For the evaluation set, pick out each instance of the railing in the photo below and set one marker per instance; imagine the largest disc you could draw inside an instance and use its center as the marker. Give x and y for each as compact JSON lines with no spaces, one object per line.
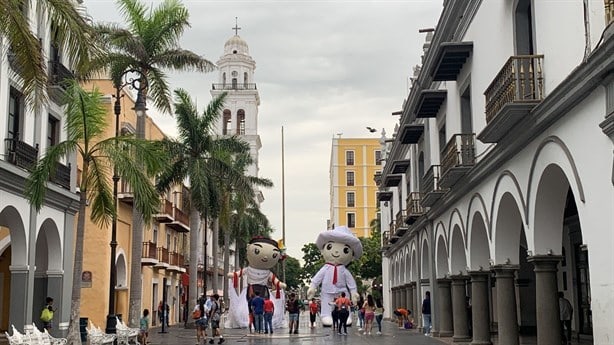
{"x":149,"y":250}
{"x":236,"y":86}
{"x":124,"y":187}
{"x":62,"y":175}
{"x":58,"y":73}
{"x":163,"y":255}
{"x":21,"y":154}
{"x":166,"y":206}
{"x":400,"y":220}
{"x":520,"y":80}
{"x":393,"y":227}
{"x":385,"y":237}
{"x":176,"y":259}
{"x":430,"y":182}
{"x":181,"y":217}
{"x":609,"y":11}
{"x":459,"y":151}
{"x":414,"y":208}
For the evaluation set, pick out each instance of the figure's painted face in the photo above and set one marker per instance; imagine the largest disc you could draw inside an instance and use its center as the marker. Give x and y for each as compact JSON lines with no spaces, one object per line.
{"x":262,"y":255}
{"x":337,"y":253}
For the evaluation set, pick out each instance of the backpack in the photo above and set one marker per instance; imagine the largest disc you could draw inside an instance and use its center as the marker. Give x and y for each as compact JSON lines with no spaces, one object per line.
{"x":46,"y":315}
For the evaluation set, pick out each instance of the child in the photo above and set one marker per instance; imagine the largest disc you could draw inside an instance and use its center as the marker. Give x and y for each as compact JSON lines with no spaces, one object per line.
{"x":144,"y":327}
{"x":47,"y":314}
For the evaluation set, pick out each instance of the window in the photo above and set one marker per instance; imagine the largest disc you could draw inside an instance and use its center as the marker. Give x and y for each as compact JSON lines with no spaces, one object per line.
{"x":168,"y":238}
{"x":155,"y":234}
{"x":234,"y":83}
{"x":349,"y":178}
{"x":14,"y":116}
{"x":227,"y":122}
{"x":224,"y":79}
{"x":245,"y":78}
{"x":241,"y":122}
{"x":351,"y":199}
{"x":442,"y":138}
{"x":349,"y":157}
{"x":378,"y":157}
{"x":52,"y":131}
{"x":351,"y":220}
{"x":466,"y":121}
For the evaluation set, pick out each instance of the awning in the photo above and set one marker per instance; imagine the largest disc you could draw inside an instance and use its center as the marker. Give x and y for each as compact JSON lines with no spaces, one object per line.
{"x":410,"y":134}
{"x":429,"y":102}
{"x":449,"y":61}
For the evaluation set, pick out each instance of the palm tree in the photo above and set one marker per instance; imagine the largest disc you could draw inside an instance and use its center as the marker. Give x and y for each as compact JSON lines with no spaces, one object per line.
{"x":135,"y":161}
{"x":149,"y":45}
{"x":235,"y":195}
{"x":198,"y":155}
{"x":70,"y":31}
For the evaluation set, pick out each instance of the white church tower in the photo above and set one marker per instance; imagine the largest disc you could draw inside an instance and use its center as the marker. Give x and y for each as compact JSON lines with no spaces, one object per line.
{"x":240,"y":115}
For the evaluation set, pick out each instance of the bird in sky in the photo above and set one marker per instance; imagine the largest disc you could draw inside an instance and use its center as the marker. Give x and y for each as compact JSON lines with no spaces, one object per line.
{"x":372,"y":130}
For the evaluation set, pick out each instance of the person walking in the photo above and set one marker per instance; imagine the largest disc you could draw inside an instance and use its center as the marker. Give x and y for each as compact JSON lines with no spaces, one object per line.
{"x":269,"y":310}
{"x":313,"y":311}
{"x":215,"y":315}
{"x":344,"y":305}
{"x":335,"y":315}
{"x":426,"y":313}
{"x":379,"y":314}
{"x":144,"y":327}
{"x":361,"y":313}
{"x":199,"y":314}
{"x":369,"y":308}
{"x":566,"y":312}
{"x":293,"y":309}
{"x":47,"y":314}
{"x":258,"y":310}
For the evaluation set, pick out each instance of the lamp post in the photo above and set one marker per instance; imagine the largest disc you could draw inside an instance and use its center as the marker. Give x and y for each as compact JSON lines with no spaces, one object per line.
{"x":139,"y":84}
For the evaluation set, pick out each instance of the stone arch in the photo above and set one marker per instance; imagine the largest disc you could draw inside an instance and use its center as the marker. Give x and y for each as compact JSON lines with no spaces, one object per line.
{"x":457,"y":220}
{"x":413,"y":262}
{"x":425,"y":258}
{"x":442,"y":257}
{"x":121,"y":269}
{"x":458,"y":255}
{"x":508,"y":225}
{"x":479,"y":245}
{"x":49,"y":247}
{"x":477,"y":204}
{"x":508,"y":183}
{"x":11,"y":219}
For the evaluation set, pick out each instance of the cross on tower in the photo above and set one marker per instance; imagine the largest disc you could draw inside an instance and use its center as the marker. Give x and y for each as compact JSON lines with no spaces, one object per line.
{"x":236,"y":28}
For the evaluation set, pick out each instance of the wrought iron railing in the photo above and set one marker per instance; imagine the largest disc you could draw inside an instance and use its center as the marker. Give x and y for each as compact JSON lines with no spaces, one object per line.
{"x":609,"y":11}
{"x":400,"y":220}
{"x":236,"y":86}
{"x":163,"y":255}
{"x":181,"y":217}
{"x":459,"y":151}
{"x":393,"y":227}
{"x":12,"y":59}
{"x":520,"y":80}
{"x":21,"y":154}
{"x":62,"y":175}
{"x":430,"y":182}
{"x":124,"y":187}
{"x":58,"y":73}
{"x":149,"y":250}
{"x":414,"y":208}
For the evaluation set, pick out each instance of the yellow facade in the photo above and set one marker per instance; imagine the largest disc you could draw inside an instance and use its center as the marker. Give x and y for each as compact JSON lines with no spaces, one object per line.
{"x":354,"y":160}
{"x":164,"y":240}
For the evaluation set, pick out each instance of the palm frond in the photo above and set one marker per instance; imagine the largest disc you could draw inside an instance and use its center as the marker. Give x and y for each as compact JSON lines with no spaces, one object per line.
{"x":159,"y":90}
{"x":166,"y":24}
{"x":183,"y":60}
{"x":85,"y":113}
{"x":213,"y":110}
{"x":99,"y":191}
{"x":187,"y":119}
{"x":134,"y":13}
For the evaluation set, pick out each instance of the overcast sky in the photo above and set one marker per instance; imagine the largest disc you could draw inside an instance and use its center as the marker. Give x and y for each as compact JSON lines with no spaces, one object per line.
{"x":322,"y":67}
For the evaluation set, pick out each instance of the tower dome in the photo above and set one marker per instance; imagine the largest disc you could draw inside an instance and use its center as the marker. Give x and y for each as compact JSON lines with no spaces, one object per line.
{"x":236,"y":45}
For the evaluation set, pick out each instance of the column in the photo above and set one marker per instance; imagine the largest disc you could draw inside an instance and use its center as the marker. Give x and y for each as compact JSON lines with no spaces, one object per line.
{"x":506,"y":304}
{"x":403,"y":298}
{"x":459,"y":308}
{"x":417,"y":312}
{"x":393,"y":293}
{"x":479,"y":308}
{"x":54,"y":290}
{"x":409,"y":296}
{"x":444,"y":308}
{"x":19,"y":295}
{"x":547,"y":302}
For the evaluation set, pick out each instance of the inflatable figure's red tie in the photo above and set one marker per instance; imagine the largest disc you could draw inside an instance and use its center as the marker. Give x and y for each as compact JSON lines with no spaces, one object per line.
{"x":334,"y":273}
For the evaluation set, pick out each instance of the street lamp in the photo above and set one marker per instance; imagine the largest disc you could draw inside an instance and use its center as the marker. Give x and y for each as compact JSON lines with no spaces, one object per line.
{"x":140,"y":108}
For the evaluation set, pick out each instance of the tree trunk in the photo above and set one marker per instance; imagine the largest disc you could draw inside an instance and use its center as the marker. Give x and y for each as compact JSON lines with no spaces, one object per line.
{"x":74,"y":333}
{"x":136,"y":282}
{"x":226,"y":264}
{"x":194,"y":229}
{"x":214,"y":249}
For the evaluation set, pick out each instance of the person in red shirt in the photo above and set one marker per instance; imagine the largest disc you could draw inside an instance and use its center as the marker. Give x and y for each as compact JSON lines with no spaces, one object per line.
{"x":344,"y":305}
{"x":269,"y":309}
{"x":313,"y":311}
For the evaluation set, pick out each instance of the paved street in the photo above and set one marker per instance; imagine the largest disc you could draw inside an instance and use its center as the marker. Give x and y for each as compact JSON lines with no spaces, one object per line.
{"x":391,"y":335}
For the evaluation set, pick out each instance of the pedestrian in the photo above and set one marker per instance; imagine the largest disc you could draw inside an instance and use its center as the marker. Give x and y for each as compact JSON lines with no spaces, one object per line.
{"x":344,"y":305}
{"x":199,"y":314}
{"x":469,"y":315}
{"x":313,"y":311}
{"x":379,"y":314}
{"x":47,"y":314}
{"x":426,"y":313}
{"x":144,"y":327}
{"x":335,"y":314}
{"x":293,"y":309}
{"x":402,"y":315}
{"x":215,"y":315}
{"x":369,"y":308}
{"x":361,"y":313}
{"x":269,"y":310}
{"x":566,"y":312}
{"x":258,"y":310}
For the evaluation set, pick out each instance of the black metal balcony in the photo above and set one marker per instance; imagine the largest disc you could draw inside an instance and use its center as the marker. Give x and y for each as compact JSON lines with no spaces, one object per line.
{"x":61,"y":175}
{"x":400,"y":226}
{"x":58,"y":74}
{"x":414,"y":207}
{"x":458,"y":158}
{"x":431,"y":192}
{"x":21,"y":154}
{"x":13,"y":61}
{"x":236,"y":86}
{"x":515,"y":91}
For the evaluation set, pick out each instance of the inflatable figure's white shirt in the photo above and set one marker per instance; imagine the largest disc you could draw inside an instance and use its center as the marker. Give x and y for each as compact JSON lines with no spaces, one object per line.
{"x":338,"y":248}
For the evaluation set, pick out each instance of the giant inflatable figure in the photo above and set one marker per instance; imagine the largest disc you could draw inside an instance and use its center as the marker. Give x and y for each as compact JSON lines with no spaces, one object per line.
{"x":338,"y":248}
{"x":262,"y":255}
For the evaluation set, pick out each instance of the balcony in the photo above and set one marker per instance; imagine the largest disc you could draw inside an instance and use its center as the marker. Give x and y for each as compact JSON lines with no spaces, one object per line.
{"x":176,"y":262}
{"x":414,"y":208}
{"x":609,"y":11}
{"x":399,"y":224}
{"x":149,"y":255}
{"x":235,"y":86}
{"x":449,"y":61}
{"x":458,"y":158}
{"x":180,"y":222}
{"x":124,"y":192}
{"x":163,"y":258}
{"x":61,"y":175}
{"x":515,"y":91}
{"x":12,"y":59}
{"x":166,"y":211}
{"x":58,"y":74}
{"x":431,"y":192}
{"x":21,"y":154}
{"x":429,"y":103}
{"x":385,"y":240}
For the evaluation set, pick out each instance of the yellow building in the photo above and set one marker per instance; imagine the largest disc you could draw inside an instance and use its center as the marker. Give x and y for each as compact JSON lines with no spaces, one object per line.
{"x":165,"y":240}
{"x":353,"y":164}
